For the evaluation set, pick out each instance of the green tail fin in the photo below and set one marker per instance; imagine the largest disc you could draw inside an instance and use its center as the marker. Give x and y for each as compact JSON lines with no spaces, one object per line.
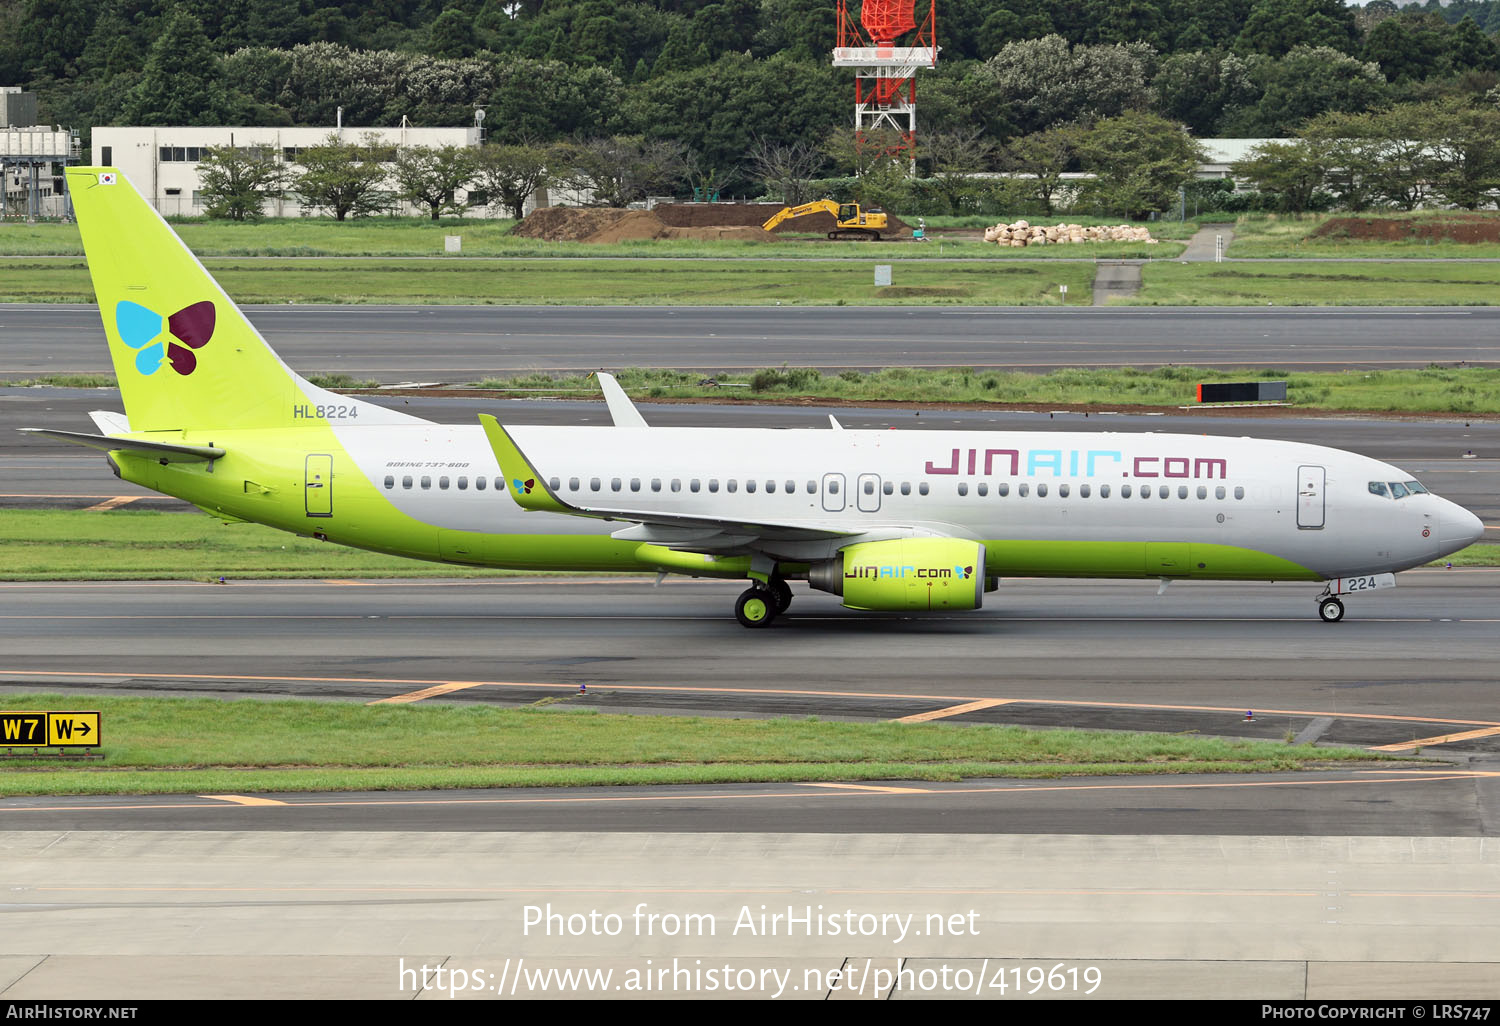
{"x":185,"y":356}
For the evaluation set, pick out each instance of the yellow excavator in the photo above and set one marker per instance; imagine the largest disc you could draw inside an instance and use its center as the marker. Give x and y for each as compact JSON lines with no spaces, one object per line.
{"x":853,"y":223}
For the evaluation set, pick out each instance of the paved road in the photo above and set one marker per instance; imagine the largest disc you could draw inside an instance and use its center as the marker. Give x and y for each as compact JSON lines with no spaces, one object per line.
{"x":460,"y":344}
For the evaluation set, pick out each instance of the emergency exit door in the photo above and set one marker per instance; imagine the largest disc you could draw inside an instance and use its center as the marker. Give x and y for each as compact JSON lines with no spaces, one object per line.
{"x":1310,"y":498}
{"x":319,"y":486}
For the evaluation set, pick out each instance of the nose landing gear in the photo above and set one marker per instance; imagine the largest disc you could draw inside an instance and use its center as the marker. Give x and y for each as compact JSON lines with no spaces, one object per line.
{"x":1330,"y":609}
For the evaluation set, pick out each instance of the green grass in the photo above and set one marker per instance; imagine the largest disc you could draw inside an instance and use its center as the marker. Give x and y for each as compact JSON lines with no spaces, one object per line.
{"x":38,"y":545}
{"x":156,"y":745}
{"x":1386,"y":283}
{"x":602,"y":282}
{"x":1483,"y":554}
{"x":1429,"y":389}
{"x":1289,"y":235}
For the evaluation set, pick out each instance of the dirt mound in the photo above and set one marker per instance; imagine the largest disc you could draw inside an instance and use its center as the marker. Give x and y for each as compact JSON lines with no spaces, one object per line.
{"x":630,"y":226}
{"x":715,"y":215}
{"x":567,"y":224}
{"x":1448,"y":227}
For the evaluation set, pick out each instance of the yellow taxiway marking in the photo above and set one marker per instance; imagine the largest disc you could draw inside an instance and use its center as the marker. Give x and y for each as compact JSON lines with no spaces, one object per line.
{"x":240,"y":799}
{"x":598,"y":799}
{"x":417,"y":696}
{"x":954,"y":710}
{"x":111,"y":503}
{"x":1441,"y":739}
{"x":872,"y":787}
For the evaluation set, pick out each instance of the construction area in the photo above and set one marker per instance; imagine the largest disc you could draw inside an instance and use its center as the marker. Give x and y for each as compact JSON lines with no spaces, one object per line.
{"x":740,"y":222}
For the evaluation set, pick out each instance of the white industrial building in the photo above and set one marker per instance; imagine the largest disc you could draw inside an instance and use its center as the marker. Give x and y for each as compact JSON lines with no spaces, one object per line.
{"x":163,"y":162}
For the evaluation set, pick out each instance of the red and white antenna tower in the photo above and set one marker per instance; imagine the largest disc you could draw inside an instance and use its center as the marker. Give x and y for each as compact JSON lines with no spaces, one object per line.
{"x":885,"y":84}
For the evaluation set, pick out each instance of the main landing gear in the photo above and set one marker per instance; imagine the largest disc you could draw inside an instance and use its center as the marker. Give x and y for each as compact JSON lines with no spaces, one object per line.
{"x":1330,"y":609}
{"x":761,"y":603}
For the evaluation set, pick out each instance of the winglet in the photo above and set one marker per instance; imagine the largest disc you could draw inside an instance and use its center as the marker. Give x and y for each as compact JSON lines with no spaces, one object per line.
{"x":525,"y":485}
{"x":834,"y":421}
{"x":621,"y":409}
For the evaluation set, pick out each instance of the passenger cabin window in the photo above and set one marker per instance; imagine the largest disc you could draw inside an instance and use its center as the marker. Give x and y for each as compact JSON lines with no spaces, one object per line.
{"x":479,"y":484}
{"x":1041,"y":491}
{"x":1062,"y":490}
{"x":1239,"y":491}
{"x":713,"y":484}
{"x":963,"y":488}
{"x":1023,"y":489}
{"x":656,"y":484}
{"x":1104,"y":492}
{"x":499,"y":484}
{"x":833,"y":487}
{"x":635,"y":484}
{"x":1124,"y":491}
{"x":614,"y":484}
{"x":463,"y":484}
{"x":1219,"y":492}
{"x":1083,"y":491}
{"x":1164,"y":492}
{"x":406,"y":481}
{"x":1182,"y":491}
{"x":443,"y":482}
{"x":812,"y":488}
{"x":1202,"y":491}
{"x":573,"y":484}
{"x":390,"y":481}
{"x":905,"y":487}
{"x":922,"y":488}
{"x":426,"y":482}
{"x":1002,"y":489}
{"x":593,"y":484}
{"x":984,"y":489}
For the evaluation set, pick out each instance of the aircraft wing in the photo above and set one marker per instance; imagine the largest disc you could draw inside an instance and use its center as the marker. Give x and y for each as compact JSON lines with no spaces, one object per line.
{"x":530,"y":490}
{"x":170,"y":452}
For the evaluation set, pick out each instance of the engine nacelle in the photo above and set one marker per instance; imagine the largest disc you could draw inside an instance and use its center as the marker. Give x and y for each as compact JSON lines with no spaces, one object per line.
{"x":905,"y":573}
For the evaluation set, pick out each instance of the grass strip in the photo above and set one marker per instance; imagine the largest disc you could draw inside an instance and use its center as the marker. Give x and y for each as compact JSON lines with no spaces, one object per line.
{"x":1281,"y":236}
{"x":1378,"y":283}
{"x":1432,"y":389}
{"x":167,"y":745}
{"x":600,"y":282}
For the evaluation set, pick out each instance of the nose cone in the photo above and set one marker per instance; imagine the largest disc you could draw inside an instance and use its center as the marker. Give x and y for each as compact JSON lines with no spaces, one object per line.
{"x":1459,"y":527}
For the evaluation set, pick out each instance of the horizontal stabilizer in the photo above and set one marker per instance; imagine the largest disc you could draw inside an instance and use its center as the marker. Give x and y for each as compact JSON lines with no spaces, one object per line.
{"x":169,"y":451}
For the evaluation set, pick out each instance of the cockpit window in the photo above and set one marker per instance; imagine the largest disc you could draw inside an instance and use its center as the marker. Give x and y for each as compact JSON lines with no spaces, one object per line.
{"x":1398,"y":490}
{"x":1379,"y":488}
{"x":1416,"y":488}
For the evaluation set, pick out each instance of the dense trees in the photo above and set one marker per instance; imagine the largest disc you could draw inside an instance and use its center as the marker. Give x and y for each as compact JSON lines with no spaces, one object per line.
{"x":717,"y":77}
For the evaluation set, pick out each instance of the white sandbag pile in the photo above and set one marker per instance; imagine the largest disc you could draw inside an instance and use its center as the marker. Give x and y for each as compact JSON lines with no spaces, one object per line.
{"x":1024,"y":233}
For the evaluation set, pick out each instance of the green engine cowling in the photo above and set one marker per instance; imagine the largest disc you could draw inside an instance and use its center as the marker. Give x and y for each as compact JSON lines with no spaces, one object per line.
{"x":905,"y":573}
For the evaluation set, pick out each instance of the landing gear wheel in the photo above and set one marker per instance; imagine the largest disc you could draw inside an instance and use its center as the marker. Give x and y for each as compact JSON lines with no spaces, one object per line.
{"x":756,"y":607}
{"x":783,"y":594}
{"x":1330,"y":609}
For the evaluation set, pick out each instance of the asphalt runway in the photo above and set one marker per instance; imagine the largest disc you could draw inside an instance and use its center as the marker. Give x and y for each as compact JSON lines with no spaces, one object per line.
{"x":1454,"y":457}
{"x":463,"y":344}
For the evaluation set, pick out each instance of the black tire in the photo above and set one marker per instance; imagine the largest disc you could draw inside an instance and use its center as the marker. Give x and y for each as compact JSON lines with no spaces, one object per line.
{"x":756,"y":607}
{"x":783,"y":594}
{"x":1330,"y":610}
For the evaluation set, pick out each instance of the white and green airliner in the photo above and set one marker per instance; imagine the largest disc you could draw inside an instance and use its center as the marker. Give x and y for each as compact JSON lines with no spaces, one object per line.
{"x":889,"y":520}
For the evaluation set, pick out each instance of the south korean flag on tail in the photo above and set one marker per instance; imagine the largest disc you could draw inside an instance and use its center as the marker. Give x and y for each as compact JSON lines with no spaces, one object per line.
{"x":107,"y":178}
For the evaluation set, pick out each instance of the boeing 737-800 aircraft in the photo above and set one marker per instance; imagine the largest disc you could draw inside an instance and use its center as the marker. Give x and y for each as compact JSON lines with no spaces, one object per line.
{"x":889,"y":520}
